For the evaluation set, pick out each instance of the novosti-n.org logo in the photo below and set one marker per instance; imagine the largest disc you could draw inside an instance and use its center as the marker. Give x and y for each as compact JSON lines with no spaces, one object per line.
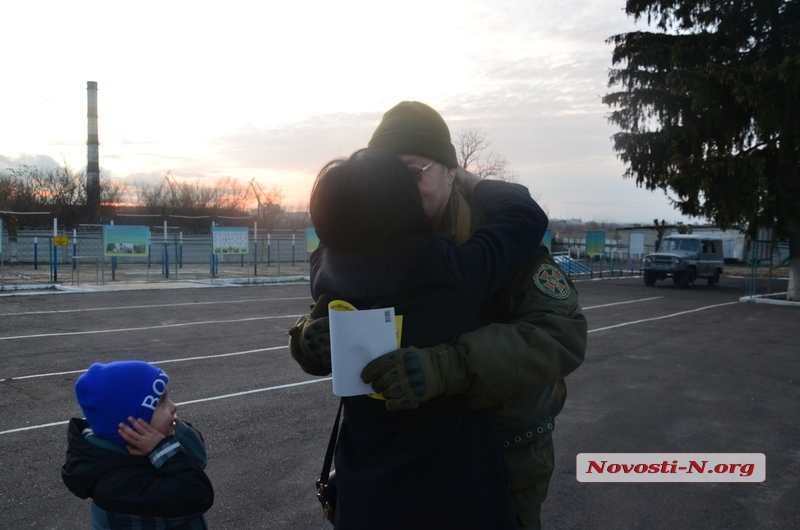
{"x":671,"y":467}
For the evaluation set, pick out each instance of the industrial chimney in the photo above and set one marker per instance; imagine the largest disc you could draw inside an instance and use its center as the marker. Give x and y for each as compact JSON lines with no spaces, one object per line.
{"x":92,"y":156}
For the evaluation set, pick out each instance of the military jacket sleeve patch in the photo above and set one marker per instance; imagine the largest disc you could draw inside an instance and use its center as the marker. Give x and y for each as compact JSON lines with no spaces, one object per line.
{"x":551,"y":282}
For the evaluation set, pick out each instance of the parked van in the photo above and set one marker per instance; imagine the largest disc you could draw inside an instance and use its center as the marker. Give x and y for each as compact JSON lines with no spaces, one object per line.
{"x":685,"y":258}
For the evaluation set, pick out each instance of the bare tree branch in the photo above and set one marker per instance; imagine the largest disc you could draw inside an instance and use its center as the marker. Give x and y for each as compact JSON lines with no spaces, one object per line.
{"x":471,"y":145}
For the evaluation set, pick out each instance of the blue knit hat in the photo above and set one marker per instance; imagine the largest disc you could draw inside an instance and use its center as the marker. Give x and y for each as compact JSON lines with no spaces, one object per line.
{"x":109,"y":393}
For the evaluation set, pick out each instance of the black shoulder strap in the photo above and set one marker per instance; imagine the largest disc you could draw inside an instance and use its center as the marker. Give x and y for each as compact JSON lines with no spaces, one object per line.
{"x":326,"y":465}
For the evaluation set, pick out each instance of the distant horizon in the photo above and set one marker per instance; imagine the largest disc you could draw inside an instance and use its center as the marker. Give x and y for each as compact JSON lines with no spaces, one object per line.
{"x":52,"y":164}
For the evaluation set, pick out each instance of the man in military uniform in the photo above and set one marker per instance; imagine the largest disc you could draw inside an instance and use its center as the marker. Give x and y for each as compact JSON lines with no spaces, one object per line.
{"x":534,"y":333}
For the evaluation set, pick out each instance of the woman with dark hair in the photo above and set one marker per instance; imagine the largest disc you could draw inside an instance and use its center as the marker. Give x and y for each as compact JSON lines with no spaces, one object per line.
{"x":352,"y":209}
{"x":437,"y":465}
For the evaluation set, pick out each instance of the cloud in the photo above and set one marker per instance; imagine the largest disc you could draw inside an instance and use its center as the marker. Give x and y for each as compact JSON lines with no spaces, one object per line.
{"x":43,"y":161}
{"x":302,"y":146}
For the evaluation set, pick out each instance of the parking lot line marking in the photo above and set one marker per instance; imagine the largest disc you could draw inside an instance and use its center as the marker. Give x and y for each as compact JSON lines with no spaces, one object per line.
{"x":115,"y":308}
{"x":202,"y":400}
{"x":32,"y":427}
{"x":246,"y":392}
{"x":663,"y":316}
{"x":183,"y":359}
{"x":163,"y":326}
{"x":623,"y":303}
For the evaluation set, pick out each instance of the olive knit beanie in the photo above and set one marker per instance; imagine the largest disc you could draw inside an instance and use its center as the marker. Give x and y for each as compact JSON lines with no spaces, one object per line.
{"x":109,"y":393}
{"x":414,"y":128}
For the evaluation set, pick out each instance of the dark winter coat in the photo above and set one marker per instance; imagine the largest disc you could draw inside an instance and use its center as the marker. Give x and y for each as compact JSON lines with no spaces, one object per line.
{"x":440,"y":465}
{"x":167,"y":489}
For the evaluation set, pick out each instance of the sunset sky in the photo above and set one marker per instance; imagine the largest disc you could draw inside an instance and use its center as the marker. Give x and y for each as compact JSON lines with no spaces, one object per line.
{"x":272,"y":91}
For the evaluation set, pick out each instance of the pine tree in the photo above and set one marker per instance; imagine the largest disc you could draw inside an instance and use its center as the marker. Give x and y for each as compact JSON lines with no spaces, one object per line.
{"x":709,"y":109}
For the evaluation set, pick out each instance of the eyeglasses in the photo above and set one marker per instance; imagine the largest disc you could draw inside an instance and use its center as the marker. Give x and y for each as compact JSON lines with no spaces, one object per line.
{"x":417,"y":172}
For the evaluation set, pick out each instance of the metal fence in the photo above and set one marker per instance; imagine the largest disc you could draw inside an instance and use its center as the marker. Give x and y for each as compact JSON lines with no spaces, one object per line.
{"x":607,"y":265}
{"x":768,"y":268}
{"x":32,"y":258}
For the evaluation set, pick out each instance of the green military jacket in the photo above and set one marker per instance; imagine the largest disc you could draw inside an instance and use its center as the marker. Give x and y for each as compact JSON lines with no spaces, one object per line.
{"x":535,"y":335}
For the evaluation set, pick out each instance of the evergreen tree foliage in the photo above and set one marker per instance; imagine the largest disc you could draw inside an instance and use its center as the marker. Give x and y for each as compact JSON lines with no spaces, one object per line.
{"x":709,"y":109}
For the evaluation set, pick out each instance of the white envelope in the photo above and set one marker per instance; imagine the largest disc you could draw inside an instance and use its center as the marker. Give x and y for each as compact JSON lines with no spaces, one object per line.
{"x":357,"y":337}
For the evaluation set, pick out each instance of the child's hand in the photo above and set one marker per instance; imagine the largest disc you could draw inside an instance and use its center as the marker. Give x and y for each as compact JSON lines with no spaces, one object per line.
{"x":142,"y":438}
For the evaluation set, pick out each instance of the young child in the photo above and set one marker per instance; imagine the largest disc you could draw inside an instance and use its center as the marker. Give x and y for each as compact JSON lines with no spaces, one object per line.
{"x":141,"y":466}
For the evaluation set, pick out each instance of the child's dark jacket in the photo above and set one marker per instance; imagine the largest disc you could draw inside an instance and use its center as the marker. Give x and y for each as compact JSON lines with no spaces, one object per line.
{"x":167,"y":488}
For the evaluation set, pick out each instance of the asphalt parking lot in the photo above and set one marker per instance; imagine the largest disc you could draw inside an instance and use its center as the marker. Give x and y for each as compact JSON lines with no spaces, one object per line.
{"x":668,"y":370}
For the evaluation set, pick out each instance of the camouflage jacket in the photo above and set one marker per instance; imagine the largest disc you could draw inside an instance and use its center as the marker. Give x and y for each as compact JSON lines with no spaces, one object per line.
{"x":534,"y":335}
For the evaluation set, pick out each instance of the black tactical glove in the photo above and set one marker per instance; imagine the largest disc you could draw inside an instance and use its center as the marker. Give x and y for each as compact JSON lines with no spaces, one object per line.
{"x":409,"y":376}
{"x":310,"y":339}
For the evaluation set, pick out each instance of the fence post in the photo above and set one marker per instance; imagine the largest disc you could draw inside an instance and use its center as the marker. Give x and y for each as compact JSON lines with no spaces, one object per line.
{"x":178,"y":251}
{"x":54,"y":267}
{"x":165,"y":254}
{"x":279,"y":257}
{"x":166,"y":260}
{"x":74,"y":249}
{"x":255,"y":248}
